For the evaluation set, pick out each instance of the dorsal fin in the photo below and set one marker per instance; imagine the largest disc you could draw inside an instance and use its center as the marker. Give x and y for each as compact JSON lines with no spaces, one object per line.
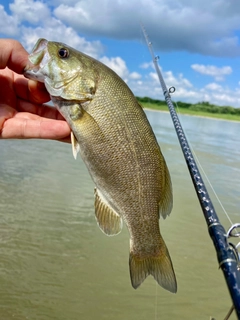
{"x":166,"y":202}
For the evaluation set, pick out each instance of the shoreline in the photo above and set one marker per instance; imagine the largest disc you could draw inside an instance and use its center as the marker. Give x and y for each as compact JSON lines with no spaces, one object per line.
{"x":193,"y":115}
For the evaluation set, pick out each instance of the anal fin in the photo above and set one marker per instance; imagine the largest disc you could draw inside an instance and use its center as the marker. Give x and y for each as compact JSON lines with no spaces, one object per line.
{"x":108,"y":220}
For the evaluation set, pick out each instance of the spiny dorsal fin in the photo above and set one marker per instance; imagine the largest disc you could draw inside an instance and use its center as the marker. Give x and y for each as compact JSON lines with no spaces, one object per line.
{"x":108,"y":220}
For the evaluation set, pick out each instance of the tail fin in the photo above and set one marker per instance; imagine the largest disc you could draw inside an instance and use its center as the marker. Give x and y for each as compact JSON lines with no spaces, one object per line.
{"x":159,"y":266}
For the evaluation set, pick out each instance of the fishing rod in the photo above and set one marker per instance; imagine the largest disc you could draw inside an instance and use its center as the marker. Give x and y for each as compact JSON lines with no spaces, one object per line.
{"x":227,"y":253}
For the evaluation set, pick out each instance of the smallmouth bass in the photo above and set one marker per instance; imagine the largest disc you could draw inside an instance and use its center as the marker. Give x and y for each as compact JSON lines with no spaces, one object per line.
{"x":117,"y":144}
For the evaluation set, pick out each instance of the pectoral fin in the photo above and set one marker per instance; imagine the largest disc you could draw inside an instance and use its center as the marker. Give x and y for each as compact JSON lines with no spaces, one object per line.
{"x":108,"y":220}
{"x":75,"y":145}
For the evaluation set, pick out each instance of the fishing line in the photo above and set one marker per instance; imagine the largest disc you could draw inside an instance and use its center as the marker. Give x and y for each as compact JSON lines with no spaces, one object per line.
{"x":156,"y":305}
{"x":142,"y":41}
{"x":203,"y":171}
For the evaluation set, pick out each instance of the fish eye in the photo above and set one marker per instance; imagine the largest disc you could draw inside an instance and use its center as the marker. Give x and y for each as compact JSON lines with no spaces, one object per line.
{"x":63,"y":53}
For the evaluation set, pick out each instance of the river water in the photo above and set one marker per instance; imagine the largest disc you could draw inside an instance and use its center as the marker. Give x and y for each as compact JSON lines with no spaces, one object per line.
{"x":55,"y":263}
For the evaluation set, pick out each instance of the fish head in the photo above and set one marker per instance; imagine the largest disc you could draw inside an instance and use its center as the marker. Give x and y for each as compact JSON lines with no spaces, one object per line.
{"x":66,"y":72}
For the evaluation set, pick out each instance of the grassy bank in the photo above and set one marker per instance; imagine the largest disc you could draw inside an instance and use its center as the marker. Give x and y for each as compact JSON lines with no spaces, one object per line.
{"x":202,"y":109}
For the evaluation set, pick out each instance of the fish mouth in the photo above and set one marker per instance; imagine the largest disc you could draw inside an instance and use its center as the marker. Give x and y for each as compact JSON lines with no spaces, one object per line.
{"x":38,"y":58}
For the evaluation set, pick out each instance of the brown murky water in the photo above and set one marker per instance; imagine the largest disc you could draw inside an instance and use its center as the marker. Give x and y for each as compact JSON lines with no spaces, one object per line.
{"x":56,"y":264}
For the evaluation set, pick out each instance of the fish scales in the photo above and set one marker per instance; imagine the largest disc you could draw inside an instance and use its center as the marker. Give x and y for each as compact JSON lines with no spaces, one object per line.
{"x":119,"y":148}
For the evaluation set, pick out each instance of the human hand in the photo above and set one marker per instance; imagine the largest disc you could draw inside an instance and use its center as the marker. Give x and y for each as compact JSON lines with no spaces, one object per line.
{"x":22,"y":113}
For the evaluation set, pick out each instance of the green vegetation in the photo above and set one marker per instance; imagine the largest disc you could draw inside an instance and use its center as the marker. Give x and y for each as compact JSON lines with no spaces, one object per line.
{"x":204,"y":109}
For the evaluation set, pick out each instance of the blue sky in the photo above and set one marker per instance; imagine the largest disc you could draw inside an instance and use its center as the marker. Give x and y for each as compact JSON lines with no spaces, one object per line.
{"x":197,"y":41}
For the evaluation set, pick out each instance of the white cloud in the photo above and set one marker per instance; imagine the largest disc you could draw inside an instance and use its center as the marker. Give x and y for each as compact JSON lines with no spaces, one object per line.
{"x":225,"y":99}
{"x":118,"y":65}
{"x":135,"y":75}
{"x":42,"y":24}
{"x":29,"y":10}
{"x":147,"y":65}
{"x":185,"y":90}
{"x":55,"y":30}
{"x":7,"y":23}
{"x":171,"y":80}
{"x":212,"y":31}
{"x":213,"y":87}
{"x":58,"y":2}
{"x":76,"y":12}
{"x":195,"y":26}
{"x":209,"y":70}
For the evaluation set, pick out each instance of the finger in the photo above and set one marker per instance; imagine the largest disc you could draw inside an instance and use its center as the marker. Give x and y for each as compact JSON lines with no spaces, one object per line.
{"x":39,"y":109}
{"x":23,"y":128}
{"x":30,"y":90}
{"x":38,"y":92}
{"x":12,"y":55}
{"x":7,"y":94}
{"x":26,"y":89}
{"x":6,"y":113}
{"x":13,"y":84}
